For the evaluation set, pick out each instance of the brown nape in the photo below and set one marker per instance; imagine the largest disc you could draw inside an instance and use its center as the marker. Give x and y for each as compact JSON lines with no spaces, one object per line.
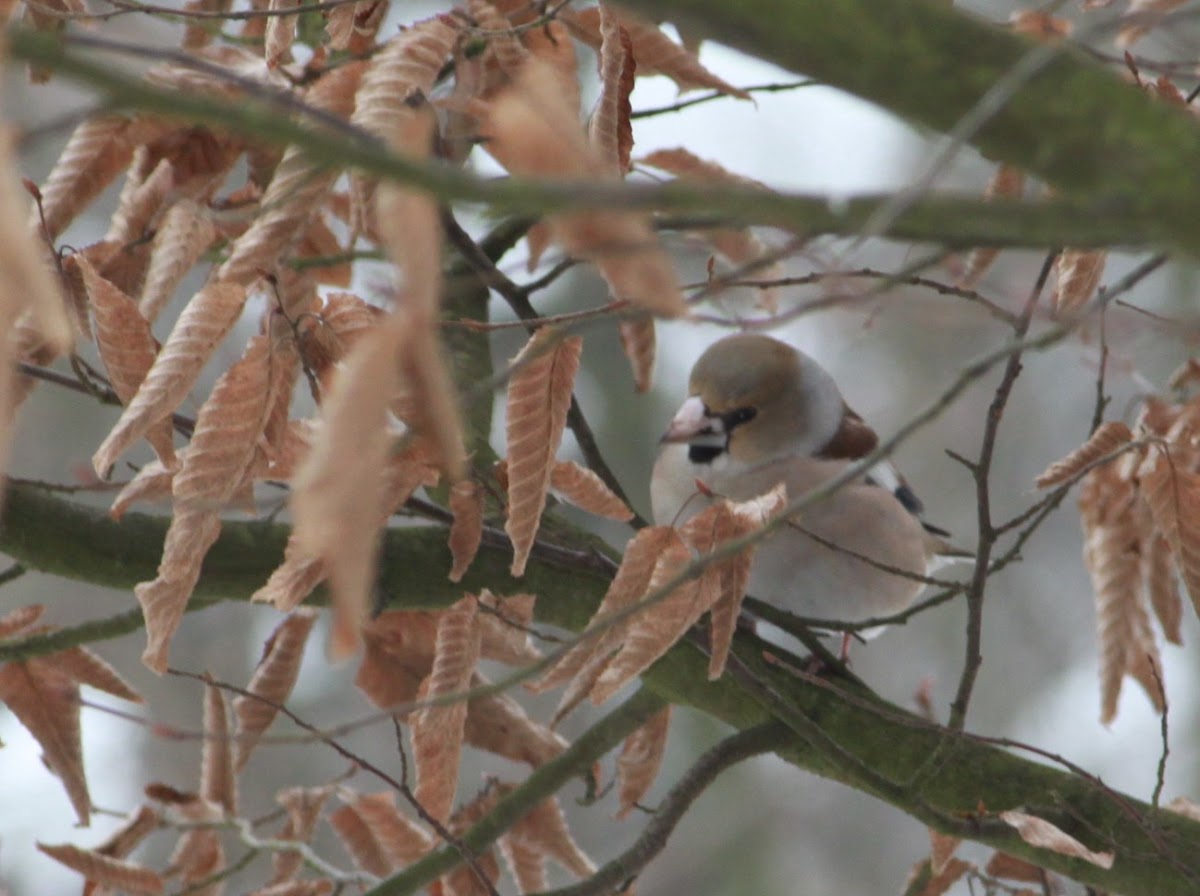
{"x":854,"y":439}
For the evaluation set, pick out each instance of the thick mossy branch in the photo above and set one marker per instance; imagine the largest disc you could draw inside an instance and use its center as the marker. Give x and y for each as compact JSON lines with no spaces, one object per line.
{"x":1057,"y":113}
{"x":1157,"y":852}
{"x":1110,"y":212}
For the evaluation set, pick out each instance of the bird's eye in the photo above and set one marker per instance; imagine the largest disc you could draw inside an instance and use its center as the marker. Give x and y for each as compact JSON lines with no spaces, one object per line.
{"x":737,"y":417}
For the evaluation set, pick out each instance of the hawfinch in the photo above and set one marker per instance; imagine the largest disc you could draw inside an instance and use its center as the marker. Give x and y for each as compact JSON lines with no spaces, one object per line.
{"x":758,"y":413}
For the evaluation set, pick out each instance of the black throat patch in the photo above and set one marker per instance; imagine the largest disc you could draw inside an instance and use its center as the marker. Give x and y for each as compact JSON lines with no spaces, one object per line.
{"x":700,"y":453}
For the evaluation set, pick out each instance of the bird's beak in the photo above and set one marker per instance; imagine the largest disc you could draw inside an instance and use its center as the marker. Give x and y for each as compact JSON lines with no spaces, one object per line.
{"x":689,"y":421}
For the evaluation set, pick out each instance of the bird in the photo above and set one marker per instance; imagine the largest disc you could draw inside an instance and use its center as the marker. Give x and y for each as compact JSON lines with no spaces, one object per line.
{"x":760,"y":412}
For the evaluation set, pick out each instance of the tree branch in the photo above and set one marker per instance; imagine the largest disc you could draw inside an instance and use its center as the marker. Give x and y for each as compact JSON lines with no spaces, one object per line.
{"x":1157,"y":852}
{"x":1106,"y":216}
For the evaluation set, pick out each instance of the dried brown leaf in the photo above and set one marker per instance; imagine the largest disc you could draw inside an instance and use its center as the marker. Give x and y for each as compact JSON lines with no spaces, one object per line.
{"x":628,"y":586}
{"x":545,"y":828}
{"x":304,"y":806}
{"x":1007,"y":182}
{"x":218,"y":780}
{"x":1173,"y":496}
{"x":185,"y":234}
{"x":272,"y":682}
{"x":163,"y":601}
{"x":1078,"y":272}
{"x":437,"y":731}
{"x":297,"y":189}
{"x":1144,"y":16}
{"x":405,"y":68}
{"x":531,"y":129}
{"x":1111,"y":554}
{"x":583,"y":488}
{"x":1044,"y":835}
{"x":296,"y":888}
{"x":942,"y":848}
{"x":293,"y":580}
{"x":1107,"y":438}
{"x":504,"y":628}
{"x":280,"y":33}
{"x":609,"y":129}
{"x":14,"y":621}
{"x":641,"y":759}
{"x":400,"y":840}
{"x":1162,"y":587}
{"x":526,"y":863}
{"x":730,"y":576}
{"x":360,"y":841}
{"x":942,"y":880}
{"x":143,"y":196}
{"x":499,"y":724}
{"x":335,"y":501}
{"x":1002,"y":864}
{"x":1041,"y":25}
{"x":539,"y":396}
{"x":127,"y":348}
{"x":108,"y":872}
{"x":657,"y":627}
{"x":46,"y":701}
{"x":201,"y":326}
{"x":198,"y":856}
{"x":98,"y":150}
{"x":740,"y":246}
{"x":639,"y":342}
{"x":81,"y":665}
{"x":221,"y":451}
{"x":398,"y":656}
{"x":466,"y":531}
{"x":654,"y":51}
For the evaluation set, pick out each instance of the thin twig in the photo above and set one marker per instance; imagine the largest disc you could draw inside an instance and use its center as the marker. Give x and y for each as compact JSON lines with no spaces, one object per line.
{"x":987,"y":531}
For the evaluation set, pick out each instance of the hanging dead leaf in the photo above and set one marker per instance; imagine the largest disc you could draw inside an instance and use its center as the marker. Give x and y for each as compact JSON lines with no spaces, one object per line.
{"x":630,"y":583}
{"x":654,"y":52}
{"x":127,"y":348}
{"x":638,"y":341}
{"x":437,"y":730}
{"x":272,"y":682}
{"x":545,"y":828}
{"x":1107,"y":438}
{"x":609,"y":129}
{"x":185,"y":234}
{"x":466,"y":532}
{"x":1173,"y":495}
{"x":335,"y":500}
{"x":1002,"y":864}
{"x":658,"y":626}
{"x":499,"y":724}
{"x":43,"y":693}
{"x":304,"y":806}
{"x":640,"y":760}
{"x":280,"y":33}
{"x":1144,"y":16}
{"x":380,"y":839}
{"x":1044,"y":835}
{"x":539,"y":396}
{"x":504,"y":628}
{"x":1008,"y":182}
{"x":1078,"y":272}
{"x":398,"y":656}
{"x":532,"y":130}
{"x":129,"y":877}
{"x":218,"y":782}
{"x":97,"y":151}
{"x":583,"y":488}
{"x":218,"y":458}
{"x":201,"y":326}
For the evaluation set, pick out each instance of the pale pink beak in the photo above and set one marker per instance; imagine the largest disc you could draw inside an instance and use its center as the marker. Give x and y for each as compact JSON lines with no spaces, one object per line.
{"x":689,"y":421}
